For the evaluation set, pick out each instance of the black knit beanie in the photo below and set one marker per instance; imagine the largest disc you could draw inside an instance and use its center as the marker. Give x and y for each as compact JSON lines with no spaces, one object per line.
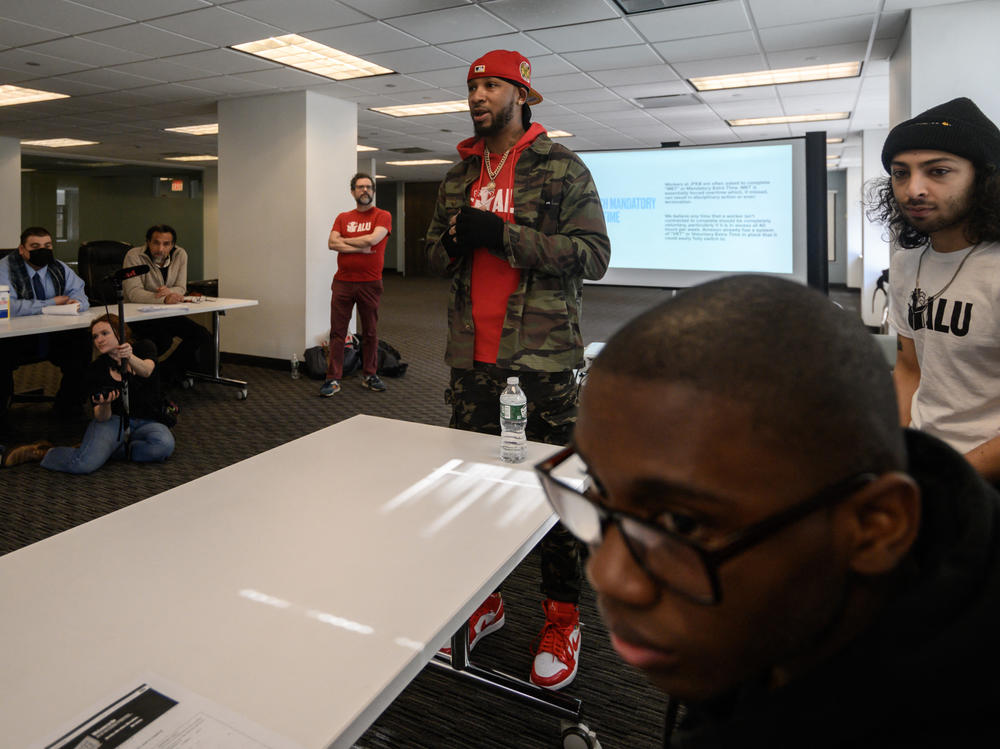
{"x":958,"y":127}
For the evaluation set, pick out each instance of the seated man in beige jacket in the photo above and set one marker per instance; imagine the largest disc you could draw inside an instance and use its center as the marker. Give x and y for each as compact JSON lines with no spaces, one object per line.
{"x":166,"y":283}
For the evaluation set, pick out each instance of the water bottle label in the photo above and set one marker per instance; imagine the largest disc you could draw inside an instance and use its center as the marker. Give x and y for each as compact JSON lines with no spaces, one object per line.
{"x":513,"y":412}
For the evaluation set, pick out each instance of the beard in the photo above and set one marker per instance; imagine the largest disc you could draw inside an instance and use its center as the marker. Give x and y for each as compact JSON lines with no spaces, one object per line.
{"x":498,"y":122}
{"x":951,"y":212}
{"x":366,"y":198}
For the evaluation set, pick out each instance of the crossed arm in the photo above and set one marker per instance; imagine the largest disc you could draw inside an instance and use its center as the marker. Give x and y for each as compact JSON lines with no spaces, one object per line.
{"x":362,"y":244}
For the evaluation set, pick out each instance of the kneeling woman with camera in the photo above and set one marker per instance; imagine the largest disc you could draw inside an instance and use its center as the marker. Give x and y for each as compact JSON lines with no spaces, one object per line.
{"x":149,"y":441}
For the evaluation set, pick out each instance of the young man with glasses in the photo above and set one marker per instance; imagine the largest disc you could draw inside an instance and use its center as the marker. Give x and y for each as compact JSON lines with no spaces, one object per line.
{"x":766,"y":543}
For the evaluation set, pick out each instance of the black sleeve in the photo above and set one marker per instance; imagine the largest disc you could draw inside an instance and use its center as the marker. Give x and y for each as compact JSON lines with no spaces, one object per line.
{"x":144,"y":349}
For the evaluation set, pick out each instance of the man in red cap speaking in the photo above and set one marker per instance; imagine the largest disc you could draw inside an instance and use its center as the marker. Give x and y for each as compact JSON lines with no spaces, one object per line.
{"x":518,"y":226}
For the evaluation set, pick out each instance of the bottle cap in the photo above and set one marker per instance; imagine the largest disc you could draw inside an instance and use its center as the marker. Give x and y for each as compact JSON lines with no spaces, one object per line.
{"x":512,"y":381}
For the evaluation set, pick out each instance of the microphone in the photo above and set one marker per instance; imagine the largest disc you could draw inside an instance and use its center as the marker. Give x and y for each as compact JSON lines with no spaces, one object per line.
{"x":123,"y":273}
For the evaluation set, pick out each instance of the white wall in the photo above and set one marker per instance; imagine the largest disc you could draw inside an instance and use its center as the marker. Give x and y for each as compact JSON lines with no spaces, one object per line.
{"x":10,"y":191}
{"x":855,"y":228}
{"x":956,"y":53}
{"x":285,"y":163}
{"x":210,"y":223}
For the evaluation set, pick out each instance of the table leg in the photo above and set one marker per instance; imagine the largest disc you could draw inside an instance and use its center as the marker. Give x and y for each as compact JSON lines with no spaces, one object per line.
{"x":214,"y":376}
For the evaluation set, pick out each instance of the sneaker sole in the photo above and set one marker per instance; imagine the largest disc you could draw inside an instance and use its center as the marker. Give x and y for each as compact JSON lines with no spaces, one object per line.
{"x":555,"y":687}
{"x":366,"y":386}
{"x":330,"y":395}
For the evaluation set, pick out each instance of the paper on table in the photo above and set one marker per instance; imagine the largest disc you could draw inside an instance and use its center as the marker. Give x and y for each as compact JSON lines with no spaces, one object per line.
{"x":153,"y":713}
{"x":164,"y":308}
{"x":62,"y":309}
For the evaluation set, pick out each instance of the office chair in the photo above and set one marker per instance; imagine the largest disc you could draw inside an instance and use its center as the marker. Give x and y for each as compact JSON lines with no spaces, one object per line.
{"x":95,"y":261}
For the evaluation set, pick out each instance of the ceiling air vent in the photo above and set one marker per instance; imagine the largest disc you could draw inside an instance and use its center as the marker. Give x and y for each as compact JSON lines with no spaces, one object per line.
{"x":662,"y":102}
{"x":410,"y":149}
{"x":641,"y":6}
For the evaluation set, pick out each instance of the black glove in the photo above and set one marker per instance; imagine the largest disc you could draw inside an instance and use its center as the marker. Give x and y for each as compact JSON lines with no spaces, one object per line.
{"x":450,"y":244}
{"x":477,"y":228}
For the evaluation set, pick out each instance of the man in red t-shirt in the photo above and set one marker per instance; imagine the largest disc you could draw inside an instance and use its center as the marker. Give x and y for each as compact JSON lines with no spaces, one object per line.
{"x":359,"y":236}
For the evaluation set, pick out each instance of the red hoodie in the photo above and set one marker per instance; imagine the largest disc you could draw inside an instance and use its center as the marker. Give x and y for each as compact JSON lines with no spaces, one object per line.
{"x":493,"y":278}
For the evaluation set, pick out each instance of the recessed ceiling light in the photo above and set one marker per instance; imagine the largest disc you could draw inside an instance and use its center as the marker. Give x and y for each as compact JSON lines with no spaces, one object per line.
{"x":210,"y":129}
{"x":366,"y":148}
{"x":415,"y":110}
{"x":298,"y":52}
{"x":59,"y":142}
{"x":380,"y":176}
{"x":831,"y":156}
{"x":559,"y":134}
{"x":418,"y":162}
{"x":777,"y":77}
{"x":201,"y":157}
{"x":834,"y":140}
{"x":788,"y":119}
{"x":12,"y":95}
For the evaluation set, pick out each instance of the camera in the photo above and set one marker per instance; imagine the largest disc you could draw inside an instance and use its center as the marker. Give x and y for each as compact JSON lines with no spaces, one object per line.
{"x":104,"y":391}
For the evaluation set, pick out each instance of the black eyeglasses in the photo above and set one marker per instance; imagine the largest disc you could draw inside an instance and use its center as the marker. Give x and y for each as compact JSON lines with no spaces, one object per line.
{"x":673,"y":561}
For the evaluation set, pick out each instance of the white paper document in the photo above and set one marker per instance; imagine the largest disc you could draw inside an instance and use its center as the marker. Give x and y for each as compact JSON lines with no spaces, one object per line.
{"x":153,"y":713}
{"x":62,"y":309}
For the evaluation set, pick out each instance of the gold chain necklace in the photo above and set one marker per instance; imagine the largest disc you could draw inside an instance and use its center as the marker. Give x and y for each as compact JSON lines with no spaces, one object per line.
{"x":491,"y":187}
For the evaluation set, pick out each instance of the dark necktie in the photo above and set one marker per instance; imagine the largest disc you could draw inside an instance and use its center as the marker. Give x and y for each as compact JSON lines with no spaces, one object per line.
{"x":36,"y":284}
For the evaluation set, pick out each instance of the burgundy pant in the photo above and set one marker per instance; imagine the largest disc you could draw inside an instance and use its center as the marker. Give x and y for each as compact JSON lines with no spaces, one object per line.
{"x":345,"y":294}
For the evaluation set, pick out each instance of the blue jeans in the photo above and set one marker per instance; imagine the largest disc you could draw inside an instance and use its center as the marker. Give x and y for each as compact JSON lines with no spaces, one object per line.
{"x":151,"y":442}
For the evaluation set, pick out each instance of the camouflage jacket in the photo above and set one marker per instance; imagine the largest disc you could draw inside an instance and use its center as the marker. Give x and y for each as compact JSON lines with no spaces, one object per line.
{"x":557,"y":239}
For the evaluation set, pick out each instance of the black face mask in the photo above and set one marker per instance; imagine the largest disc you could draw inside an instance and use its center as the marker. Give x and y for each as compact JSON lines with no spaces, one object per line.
{"x":40,"y":258}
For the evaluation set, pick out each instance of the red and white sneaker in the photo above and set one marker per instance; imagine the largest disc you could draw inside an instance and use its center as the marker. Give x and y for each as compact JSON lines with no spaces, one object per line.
{"x":558,"y":649}
{"x":485,"y":620}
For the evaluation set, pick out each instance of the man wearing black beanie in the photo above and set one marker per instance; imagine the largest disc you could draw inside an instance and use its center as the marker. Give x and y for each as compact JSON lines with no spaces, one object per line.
{"x":941,"y":204}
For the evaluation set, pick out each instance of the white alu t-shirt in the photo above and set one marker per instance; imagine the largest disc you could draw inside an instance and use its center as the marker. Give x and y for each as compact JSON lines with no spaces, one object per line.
{"x":955,"y":327}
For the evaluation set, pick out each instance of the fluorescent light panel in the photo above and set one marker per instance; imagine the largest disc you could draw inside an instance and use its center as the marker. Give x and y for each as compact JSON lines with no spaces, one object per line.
{"x":777,"y":77}
{"x":210,"y":129}
{"x":559,"y":134}
{"x":298,"y":52}
{"x":13,"y":95}
{"x":788,"y":119}
{"x":366,"y":148}
{"x":834,"y":140}
{"x":418,"y":162}
{"x":415,"y":110}
{"x":59,"y":142}
{"x":201,"y":157}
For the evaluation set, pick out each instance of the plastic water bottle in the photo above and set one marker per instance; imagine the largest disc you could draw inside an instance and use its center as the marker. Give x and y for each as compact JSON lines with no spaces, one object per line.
{"x":295,"y":366}
{"x":513,"y":418}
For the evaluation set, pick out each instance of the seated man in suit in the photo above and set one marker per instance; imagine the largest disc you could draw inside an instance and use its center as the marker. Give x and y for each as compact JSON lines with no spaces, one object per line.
{"x":37,"y":280}
{"x":767,"y":543}
{"x":166,"y":283}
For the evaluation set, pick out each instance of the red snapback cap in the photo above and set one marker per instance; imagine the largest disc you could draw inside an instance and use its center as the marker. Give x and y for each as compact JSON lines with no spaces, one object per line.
{"x":509,"y":65}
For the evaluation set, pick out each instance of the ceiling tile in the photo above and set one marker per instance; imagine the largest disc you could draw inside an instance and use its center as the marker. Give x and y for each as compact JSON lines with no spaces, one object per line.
{"x":532,"y":14}
{"x":569,"y":82}
{"x":282,"y":78}
{"x":707,"y":47}
{"x":475,"y":48}
{"x":159,"y":70}
{"x":60,"y":15}
{"x":624,"y":77}
{"x":545,"y":66}
{"x":415,"y":60}
{"x":365,"y":38}
{"x":298,"y":15}
{"x":170,"y":92}
{"x":36,"y":65}
{"x":455,"y":24}
{"x":74,"y":88}
{"x":86,"y":51}
{"x":392,"y":8}
{"x":112,"y":79}
{"x":216,"y":26}
{"x":223,"y":61}
{"x":227,"y":84}
{"x":14,"y":34}
{"x":659,"y":88}
{"x":693,"y":20}
{"x":722,"y":66}
{"x":577,"y":96}
{"x":818,"y":34}
{"x":818,"y":55}
{"x":783,"y":12}
{"x":636,"y":56}
{"x":139,"y":37}
{"x":582,"y":36}
{"x":141,"y":10}
{"x":391,"y":85}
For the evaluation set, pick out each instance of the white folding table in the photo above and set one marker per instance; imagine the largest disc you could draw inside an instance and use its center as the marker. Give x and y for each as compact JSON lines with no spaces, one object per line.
{"x":302,"y":588}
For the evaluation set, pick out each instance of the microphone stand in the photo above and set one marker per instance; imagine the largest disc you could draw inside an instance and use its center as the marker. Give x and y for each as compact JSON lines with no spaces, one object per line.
{"x":123,"y":365}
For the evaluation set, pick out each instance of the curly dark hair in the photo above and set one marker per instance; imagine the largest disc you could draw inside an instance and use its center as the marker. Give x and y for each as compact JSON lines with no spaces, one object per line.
{"x":983,"y":221}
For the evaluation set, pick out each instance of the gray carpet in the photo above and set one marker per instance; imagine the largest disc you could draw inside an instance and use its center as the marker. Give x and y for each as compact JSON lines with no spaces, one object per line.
{"x":216,"y":430}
